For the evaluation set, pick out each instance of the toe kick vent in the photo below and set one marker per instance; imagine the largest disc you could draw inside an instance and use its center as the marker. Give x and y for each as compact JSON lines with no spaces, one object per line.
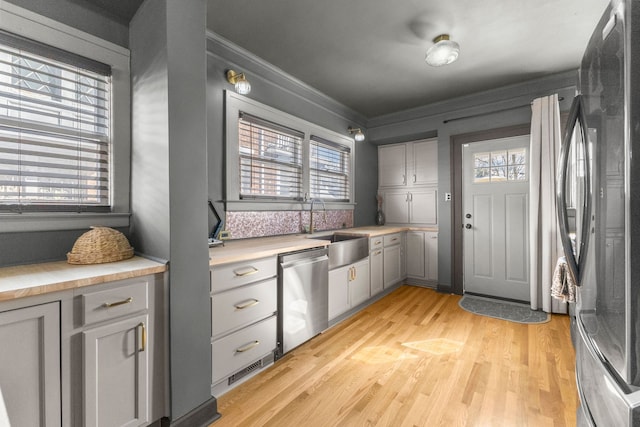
{"x":253,"y":367}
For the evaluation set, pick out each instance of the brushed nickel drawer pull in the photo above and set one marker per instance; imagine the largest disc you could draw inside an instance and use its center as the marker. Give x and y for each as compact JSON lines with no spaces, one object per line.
{"x":115,"y":304}
{"x":248,"y":347}
{"x":377,"y":252}
{"x":247,"y":272}
{"x":143,"y":332}
{"x":247,"y":304}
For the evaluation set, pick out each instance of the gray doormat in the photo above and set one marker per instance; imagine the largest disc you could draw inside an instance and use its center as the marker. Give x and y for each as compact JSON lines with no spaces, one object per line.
{"x":505,"y":310}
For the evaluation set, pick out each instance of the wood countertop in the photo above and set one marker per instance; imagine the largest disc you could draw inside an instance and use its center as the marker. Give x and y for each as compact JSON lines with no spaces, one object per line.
{"x":261,"y":247}
{"x":36,"y":279}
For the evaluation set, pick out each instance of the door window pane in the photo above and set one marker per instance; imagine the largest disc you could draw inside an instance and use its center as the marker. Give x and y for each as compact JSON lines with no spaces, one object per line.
{"x":500,"y":166}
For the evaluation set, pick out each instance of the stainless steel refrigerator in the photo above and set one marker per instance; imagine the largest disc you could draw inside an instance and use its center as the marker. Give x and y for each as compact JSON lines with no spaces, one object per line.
{"x":599,"y":214}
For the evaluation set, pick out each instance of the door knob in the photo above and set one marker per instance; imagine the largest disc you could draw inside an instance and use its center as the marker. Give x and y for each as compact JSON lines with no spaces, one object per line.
{"x":467,"y":226}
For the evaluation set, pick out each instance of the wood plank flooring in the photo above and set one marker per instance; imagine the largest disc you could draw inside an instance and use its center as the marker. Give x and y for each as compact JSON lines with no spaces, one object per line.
{"x":415,"y":358}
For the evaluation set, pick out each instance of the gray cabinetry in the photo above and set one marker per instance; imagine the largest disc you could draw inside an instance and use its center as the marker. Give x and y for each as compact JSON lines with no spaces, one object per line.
{"x":407,"y":182}
{"x":116,"y":373}
{"x":122,"y":353}
{"x":244,"y":302}
{"x":349,"y":286}
{"x":30,"y":378}
{"x":422,"y":257}
{"x":392,"y":259}
{"x":376,"y":265}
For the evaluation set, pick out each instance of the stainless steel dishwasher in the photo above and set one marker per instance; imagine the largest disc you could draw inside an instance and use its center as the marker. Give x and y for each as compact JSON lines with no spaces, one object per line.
{"x":303,"y":297}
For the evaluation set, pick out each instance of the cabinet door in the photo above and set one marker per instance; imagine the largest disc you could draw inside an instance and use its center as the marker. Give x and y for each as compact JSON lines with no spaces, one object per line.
{"x":392,"y":265}
{"x":396,"y":206}
{"x":115,"y":373}
{"x":415,"y":254}
{"x":338,"y":291}
{"x":431,"y":247}
{"x":30,"y":366}
{"x":425,"y":162}
{"x":376,"y":268}
{"x":391,"y":165}
{"x":423,"y":206}
{"x":359,"y":285}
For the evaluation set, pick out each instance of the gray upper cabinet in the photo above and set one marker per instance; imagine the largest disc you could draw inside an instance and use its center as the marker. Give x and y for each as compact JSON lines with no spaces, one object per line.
{"x":392,"y":169}
{"x":30,"y":366}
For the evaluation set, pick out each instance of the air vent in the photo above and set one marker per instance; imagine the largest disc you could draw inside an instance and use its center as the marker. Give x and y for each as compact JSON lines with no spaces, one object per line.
{"x":246,"y":371}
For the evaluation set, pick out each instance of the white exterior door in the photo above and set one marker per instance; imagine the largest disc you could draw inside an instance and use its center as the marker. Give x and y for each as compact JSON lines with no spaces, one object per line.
{"x":496,"y":217}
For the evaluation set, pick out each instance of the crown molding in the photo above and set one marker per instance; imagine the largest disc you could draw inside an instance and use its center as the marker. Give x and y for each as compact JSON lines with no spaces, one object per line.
{"x":269,"y":73}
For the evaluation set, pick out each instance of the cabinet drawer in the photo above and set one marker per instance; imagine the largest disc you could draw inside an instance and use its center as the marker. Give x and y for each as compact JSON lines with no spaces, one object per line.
{"x":376,"y":243}
{"x":242,"y":273}
{"x":243,"y":305}
{"x":116,"y":302}
{"x":392,"y":239}
{"x":235,"y":351}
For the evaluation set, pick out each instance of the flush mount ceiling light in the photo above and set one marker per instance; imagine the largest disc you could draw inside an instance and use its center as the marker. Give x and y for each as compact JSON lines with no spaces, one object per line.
{"x":239,"y":81}
{"x":357,"y":134}
{"x":443,"y":52}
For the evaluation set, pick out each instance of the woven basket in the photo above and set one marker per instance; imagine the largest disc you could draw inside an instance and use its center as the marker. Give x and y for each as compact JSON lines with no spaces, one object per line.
{"x":100,"y":245}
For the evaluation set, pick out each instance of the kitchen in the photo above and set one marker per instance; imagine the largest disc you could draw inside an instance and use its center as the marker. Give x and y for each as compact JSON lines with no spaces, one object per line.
{"x":168,"y":156}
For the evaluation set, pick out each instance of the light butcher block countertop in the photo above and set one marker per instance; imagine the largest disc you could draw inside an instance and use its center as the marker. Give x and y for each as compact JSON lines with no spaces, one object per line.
{"x":36,"y":279}
{"x":261,"y":247}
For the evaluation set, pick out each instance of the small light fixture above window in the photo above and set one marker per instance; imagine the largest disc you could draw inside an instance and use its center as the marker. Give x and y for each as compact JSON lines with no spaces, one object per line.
{"x":239,"y":81}
{"x":358,"y":136}
{"x":443,"y":52}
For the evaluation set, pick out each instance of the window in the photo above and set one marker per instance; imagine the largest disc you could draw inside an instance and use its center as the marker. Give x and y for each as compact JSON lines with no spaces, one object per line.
{"x":54,"y":129}
{"x":270,"y":159}
{"x":500,"y":166}
{"x":329,"y":170}
{"x":277,"y":161}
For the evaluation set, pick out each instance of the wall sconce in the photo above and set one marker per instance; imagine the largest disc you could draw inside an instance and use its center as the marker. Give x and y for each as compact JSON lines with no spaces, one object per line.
{"x":240,"y":82}
{"x":357,"y":134}
{"x":443,"y":52}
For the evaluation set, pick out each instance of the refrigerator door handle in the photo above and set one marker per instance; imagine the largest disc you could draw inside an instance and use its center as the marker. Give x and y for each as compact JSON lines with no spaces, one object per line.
{"x":575,"y":263}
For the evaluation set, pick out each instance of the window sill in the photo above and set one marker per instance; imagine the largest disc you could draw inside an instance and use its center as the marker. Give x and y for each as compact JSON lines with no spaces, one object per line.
{"x":41,"y":221}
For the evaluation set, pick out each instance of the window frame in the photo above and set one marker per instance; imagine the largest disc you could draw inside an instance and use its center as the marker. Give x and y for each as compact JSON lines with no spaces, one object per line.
{"x":236,"y":104}
{"x":25,"y":23}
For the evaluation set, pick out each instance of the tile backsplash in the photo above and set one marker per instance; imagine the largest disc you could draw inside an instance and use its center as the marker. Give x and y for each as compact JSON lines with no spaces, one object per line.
{"x":243,"y":225}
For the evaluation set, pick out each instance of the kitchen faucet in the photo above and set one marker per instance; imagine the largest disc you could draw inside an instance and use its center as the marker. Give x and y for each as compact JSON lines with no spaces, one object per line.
{"x":324,"y":210}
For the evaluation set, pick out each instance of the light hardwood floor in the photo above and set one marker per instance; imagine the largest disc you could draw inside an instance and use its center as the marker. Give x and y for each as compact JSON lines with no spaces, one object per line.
{"x":415,"y":358}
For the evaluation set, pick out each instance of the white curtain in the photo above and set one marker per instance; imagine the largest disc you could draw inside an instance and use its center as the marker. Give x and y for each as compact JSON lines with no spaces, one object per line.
{"x":544,"y":240}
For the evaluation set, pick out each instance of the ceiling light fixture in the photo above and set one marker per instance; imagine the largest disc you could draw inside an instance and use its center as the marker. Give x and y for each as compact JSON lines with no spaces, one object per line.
{"x":443,"y":52}
{"x":359,"y":136}
{"x":239,"y":81}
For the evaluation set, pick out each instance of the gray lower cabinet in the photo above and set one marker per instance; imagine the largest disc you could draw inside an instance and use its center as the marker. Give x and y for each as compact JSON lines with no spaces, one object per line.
{"x":30,"y":378}
{"x":121,"y":353}
{"x":376,"y":265}
{"x":422,"y":256}
{"x":392,"y":259}
{"x":349,"y":286}
{"x":116,"y":373}
{"x":244,"y":302}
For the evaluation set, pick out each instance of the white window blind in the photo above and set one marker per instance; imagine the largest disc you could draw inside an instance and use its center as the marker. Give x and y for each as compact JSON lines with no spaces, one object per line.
{"x":329,"y":170}
{"x":270,"y":159}
{"x":54,"y":128}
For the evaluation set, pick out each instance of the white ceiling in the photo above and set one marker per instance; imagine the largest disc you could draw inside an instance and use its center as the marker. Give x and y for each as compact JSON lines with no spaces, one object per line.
{"x":369,"y":54}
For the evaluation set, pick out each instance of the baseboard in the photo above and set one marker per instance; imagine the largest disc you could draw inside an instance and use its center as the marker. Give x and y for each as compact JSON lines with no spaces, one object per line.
{"x":201,"y":416}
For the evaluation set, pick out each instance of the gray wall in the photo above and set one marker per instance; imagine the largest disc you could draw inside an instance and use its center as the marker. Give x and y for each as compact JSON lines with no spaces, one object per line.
{"x":507,"y":106}
{"x":82,"y":15}
{"x":275,"y":88}
{"x":169,"y":179}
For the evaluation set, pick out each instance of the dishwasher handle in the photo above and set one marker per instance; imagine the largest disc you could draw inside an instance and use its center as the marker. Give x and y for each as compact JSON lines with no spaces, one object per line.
{"x":303,"y":261}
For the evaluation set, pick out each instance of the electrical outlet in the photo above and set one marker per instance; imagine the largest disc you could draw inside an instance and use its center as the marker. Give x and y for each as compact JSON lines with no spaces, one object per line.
{"x":224,"y":235}
{"x":447,"y":197}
